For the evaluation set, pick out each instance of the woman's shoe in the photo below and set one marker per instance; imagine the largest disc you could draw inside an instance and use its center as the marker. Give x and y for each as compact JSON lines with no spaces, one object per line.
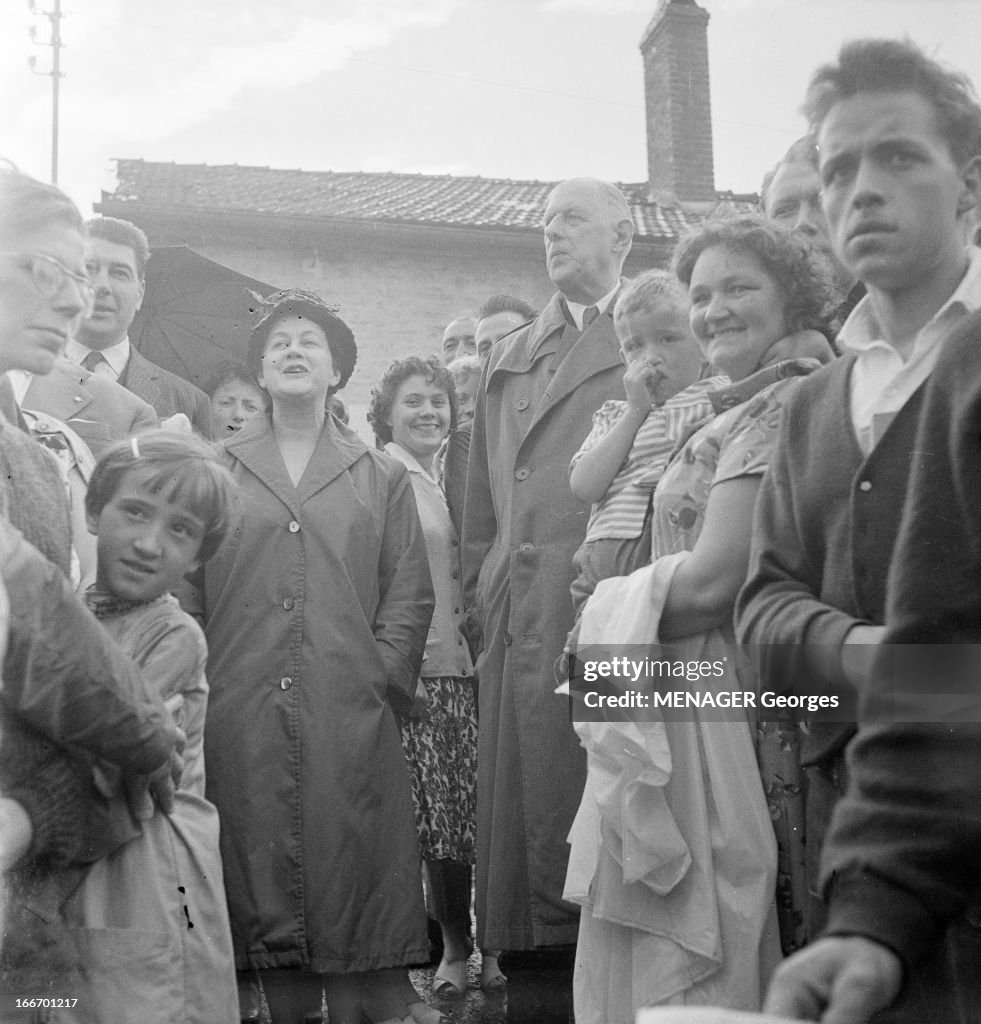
{"x":450,"y":979}
{"x":492,"y":978}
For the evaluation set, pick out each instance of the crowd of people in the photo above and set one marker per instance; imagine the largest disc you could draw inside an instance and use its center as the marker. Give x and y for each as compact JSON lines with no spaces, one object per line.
{"x":272,"y":695}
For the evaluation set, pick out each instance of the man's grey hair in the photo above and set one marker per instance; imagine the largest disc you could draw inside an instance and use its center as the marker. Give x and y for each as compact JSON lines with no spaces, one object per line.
{"x":614,"y":199}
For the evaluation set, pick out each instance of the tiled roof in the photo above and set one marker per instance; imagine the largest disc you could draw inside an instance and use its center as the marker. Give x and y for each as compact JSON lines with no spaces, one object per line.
{"x":439,"y":200}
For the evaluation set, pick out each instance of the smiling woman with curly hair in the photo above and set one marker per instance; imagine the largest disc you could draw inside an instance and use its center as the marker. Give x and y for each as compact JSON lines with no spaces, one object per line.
{"x":413,"y":409}
{"x":800,"y":269}
{"x":757,"y":297}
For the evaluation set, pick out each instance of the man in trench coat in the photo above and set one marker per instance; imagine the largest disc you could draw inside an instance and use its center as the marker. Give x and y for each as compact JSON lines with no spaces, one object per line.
{"x":521,"y":527}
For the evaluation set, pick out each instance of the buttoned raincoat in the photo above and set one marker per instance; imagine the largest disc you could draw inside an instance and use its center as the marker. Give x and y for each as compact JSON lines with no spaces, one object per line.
{"x":521,"y":527}
{"x":317,"y":609}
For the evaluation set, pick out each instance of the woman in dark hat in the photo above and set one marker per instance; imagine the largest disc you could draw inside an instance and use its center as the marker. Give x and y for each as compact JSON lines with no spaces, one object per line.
{"x":317,"y":610}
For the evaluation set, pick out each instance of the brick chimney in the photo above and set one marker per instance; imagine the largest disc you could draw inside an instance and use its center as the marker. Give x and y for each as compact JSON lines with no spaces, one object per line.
{"x":679,"y":116}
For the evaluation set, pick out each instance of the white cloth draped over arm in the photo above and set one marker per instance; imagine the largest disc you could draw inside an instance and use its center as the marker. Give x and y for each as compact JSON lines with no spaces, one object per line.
{"x":673,"y":841}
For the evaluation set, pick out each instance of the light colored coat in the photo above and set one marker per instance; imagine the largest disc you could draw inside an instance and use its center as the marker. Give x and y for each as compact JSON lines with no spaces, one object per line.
{"x":149,"y":920}
{"x":317,"y":608}
{"x":521,"y":527}
{"x":447,"y":653}
{"x":99,"y":410}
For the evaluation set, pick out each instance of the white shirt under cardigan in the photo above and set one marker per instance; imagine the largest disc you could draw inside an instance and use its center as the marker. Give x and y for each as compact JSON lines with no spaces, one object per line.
{"x":447,"y":653}
{"x":881,"y":382}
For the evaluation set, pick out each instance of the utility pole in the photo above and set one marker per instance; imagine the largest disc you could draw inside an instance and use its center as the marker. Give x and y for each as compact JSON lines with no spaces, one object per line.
{"x":54,"y":16}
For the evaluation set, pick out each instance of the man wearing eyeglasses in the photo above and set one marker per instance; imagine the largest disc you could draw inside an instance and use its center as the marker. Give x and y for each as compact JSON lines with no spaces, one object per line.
{"x":98,"y":410}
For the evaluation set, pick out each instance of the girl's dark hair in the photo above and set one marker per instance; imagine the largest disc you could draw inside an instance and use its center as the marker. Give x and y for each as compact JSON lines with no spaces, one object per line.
{"x":430,"y":368}
{"x":802,"y":271}
{"x":180,"y":465}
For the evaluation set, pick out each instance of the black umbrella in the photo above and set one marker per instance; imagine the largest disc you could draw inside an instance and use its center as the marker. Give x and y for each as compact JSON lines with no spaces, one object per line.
{"x":196,"y":313}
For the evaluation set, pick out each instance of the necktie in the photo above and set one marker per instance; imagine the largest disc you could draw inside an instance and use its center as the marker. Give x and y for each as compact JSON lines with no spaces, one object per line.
{"x":92,"y":361}
{"x":589,"y":314}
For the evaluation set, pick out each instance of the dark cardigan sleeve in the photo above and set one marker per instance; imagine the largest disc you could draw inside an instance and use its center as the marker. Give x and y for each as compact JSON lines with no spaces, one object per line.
{"x":904,"y":855}
{"x":791,"y":631}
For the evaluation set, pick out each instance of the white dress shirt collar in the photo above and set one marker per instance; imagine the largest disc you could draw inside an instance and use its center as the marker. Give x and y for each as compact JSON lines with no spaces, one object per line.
{"x":861,"y":330}
{"x":20,"y":381}
{"x":576,"y":309}
{"x":882,"y":381}
{"x":117,"y":356}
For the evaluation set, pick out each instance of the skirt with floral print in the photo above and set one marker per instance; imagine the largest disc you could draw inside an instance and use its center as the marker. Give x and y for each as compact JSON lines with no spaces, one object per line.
{"x":441,"y":750}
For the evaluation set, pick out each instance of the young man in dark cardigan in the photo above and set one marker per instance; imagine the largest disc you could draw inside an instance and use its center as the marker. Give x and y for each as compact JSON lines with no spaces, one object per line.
{"x":899,"y":139}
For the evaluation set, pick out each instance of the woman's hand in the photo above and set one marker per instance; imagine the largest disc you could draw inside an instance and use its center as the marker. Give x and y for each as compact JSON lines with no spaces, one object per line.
{"x":419,"y":708}
{"x":146,"y":792}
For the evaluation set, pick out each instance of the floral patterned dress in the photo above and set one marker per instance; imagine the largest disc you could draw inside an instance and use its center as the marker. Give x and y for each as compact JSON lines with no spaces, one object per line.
{"x":739,"y":442}
{"x":441,"y":746}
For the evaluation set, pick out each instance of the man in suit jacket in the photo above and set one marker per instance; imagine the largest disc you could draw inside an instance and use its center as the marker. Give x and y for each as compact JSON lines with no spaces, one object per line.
{"x":521,"y":527}
{"x":97,"y":409}
{"x":118,"y":251}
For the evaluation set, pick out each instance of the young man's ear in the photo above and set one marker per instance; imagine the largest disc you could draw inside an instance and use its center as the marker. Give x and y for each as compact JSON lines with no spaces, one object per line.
{"x":970,"y":196}
{"x":92,"y":522}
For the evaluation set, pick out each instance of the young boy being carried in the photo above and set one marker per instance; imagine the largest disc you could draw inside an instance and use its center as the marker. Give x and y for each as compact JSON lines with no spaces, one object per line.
{"x":622,"y":459}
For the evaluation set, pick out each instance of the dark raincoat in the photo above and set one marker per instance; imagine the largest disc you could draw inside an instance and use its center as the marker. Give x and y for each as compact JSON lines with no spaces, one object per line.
{"x":521,"y":527}
{"x":317,"y":609}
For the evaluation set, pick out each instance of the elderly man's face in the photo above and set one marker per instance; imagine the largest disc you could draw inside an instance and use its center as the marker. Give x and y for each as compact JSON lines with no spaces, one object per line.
{"x":794,"y":201}
{"x":459,"y":338}
{"x":584,"y":249}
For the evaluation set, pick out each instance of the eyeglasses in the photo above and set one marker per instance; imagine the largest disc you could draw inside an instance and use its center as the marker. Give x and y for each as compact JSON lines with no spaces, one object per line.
{"x":49,"y":275}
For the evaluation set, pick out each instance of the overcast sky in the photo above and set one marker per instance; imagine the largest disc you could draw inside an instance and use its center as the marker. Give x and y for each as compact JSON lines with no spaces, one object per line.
{"x":502,"y":88}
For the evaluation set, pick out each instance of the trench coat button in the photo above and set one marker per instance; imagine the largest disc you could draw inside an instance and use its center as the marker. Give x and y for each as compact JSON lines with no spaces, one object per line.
{"x":865,"y":485}
{"x":294,"y":526}
{"x":288,"y":603}
{"x":507,"y":639}
{"x":522,"y":473}
{"x":526,"y":549}
{"x":43,"y":425}
{"x":521,"y":404}
{"x":285,"y":683}
{"x":76,"y":398}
